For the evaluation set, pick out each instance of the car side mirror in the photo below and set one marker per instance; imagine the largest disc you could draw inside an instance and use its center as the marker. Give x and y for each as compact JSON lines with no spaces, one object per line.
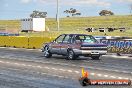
{"x":53,"y":41}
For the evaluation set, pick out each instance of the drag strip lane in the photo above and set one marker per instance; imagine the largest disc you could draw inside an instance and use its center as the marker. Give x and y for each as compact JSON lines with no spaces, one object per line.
{"x":106,"y":63}
{"x":56,"y":70}
{"x":34,"y":60}
{"x":16,"y":78}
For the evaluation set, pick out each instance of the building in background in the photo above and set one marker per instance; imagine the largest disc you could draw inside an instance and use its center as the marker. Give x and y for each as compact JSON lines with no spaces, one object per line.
{"x":33,"y":25}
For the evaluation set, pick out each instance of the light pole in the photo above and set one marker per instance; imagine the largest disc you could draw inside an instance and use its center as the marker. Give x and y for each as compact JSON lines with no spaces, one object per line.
{"x":57,"y":15}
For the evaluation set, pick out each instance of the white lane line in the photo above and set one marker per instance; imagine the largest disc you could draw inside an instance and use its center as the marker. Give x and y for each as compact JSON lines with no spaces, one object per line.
{"x":23,"y":64}
{"x":54,"y":69}
{"x":13,"y":48}
{"x":105,"y":75}
{"x":8,"y":62}
{"x":2,"y":47}
{"x":39,"y":67}
{"x":47,"y":67}
{"x":112,"y":76}
{"x":69,"y":70}
{"x":17,"y":64}
{"x":126,"y":78}
{"x":29,"y":65}
{"x":105,"y":69}
{"x":77,"y":72}
{"x":62,"y":70}
{"x":120,"y":78}
{"x":116,"y":70}
{"x":124,"y":71}
{"x":61,"y":76}
{"x":65,"y":70}
{"x":32,"y":66}
{"x":81,"y":66}
{"x":40,"y":73}
{"x":2,"y":62}
{"x":92,"y":73}
{"x":99,"y":75}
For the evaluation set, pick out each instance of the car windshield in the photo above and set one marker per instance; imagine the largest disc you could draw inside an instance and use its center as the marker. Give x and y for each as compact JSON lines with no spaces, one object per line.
{"x":86,"y":39}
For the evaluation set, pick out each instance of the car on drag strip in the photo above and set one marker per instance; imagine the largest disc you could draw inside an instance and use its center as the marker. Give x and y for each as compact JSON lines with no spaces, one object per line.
{"x":75,"y":45}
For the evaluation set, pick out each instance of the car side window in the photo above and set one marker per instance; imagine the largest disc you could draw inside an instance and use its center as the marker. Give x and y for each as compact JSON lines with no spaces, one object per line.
{"x":60,"y":39}
{"x":73,"y":39}
{"x":66,"y":39}
{"x":78,"y":38}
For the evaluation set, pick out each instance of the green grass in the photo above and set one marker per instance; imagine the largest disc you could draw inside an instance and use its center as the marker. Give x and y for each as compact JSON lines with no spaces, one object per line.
{"x":78,"y":25}
{"x":84,"y":22}
{"x":57,"y":33}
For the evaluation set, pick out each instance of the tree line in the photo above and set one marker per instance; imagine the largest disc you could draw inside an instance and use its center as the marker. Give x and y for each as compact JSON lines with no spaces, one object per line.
{"x":73,"y":12}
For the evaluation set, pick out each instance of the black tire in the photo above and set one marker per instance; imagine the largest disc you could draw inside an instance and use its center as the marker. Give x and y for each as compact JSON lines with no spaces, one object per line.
{"x":71,"y":55}
{"x":95,"y":57}
{"x":47,"y":53}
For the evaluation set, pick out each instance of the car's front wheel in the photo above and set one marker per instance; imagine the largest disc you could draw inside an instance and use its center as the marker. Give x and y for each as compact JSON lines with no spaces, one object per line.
{"x":71,"y":55}
{"x":47,"y":54}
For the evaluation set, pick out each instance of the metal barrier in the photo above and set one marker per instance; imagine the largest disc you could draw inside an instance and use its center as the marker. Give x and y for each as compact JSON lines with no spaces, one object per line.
{"x":18,"y":42}
{"x":37,"y":42}
{"x":23,"y":42}
{"x":4,"y":41}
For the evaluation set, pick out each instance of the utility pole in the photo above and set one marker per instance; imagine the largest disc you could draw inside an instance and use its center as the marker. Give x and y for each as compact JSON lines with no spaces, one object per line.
{"x":57,"y":15}
{"x":131,"y":9}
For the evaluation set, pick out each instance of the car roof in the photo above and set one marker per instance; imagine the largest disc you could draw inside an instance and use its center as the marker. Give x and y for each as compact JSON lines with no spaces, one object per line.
{"x":75,"y":34}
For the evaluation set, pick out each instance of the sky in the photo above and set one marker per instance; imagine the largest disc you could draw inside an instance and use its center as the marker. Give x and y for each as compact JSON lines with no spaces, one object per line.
{"x":18,"y":9}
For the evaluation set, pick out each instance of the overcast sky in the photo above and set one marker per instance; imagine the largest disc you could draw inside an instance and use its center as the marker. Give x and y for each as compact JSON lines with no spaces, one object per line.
{"x":17,"y":9}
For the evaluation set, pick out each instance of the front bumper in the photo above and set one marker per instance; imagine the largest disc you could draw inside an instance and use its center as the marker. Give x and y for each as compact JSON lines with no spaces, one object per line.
{"x":89,"y":52}
{"x":42,"y":49}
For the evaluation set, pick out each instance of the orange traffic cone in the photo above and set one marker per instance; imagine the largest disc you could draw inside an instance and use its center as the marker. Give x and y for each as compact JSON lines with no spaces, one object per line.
{"x":84,"y":74}
{"x":84,"y":80}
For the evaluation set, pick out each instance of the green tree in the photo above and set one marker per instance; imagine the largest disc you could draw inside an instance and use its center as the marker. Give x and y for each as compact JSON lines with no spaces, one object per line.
{"x":38,"y":14}
{"x":106,"y":13}
{"x":72,"y":12}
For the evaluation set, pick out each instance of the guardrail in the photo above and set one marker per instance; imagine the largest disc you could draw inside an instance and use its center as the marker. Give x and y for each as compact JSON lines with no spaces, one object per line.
{"x":23,"y":42}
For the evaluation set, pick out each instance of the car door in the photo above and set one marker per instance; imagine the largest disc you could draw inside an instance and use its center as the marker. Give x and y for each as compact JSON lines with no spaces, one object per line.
{"x":56,"y":45}
{"x":65,"y":44}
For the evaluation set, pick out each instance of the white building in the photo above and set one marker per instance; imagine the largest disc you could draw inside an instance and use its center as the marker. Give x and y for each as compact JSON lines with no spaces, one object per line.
{"x":33,"y":24}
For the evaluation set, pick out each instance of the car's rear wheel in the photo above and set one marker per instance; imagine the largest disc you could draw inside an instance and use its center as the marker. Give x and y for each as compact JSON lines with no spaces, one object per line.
{"x":47,"y":54}
{"x":95,"y":57}
{"x":71,"y":55}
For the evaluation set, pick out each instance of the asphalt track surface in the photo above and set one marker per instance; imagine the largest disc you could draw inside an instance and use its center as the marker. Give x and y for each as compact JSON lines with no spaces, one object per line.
{"x":28,"y":68}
